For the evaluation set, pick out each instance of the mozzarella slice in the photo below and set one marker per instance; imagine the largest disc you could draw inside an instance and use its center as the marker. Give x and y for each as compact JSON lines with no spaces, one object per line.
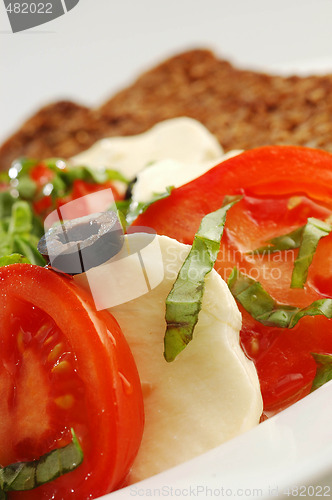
{"x":183,"y":139}
{"x":162,"y":174}
{"x":210,"y":393}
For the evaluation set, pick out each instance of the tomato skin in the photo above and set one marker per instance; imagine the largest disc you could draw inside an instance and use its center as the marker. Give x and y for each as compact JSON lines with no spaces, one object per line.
{"x":281,"y":186}
{"x":79,"y":190}
{"x":270,"y":170}
{"x":82,"y":188}
{"x":111,"y":433}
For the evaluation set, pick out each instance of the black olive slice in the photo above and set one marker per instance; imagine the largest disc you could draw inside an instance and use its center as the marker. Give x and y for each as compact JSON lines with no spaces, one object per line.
{"x":77,"y":245}
{"x":129,"y":190}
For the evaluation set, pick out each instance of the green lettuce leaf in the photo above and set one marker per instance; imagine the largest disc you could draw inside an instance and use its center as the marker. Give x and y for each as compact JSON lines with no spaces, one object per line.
{"x":14,"y":258}
{"x":18,"y":231}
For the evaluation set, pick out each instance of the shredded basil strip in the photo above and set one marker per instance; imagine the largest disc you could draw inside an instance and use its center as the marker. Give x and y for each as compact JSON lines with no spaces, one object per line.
{"x":23,"y":476}
{"x":137,"y":208}
{"x":323,"y":371}
{"x":305,"y":238}
{"x":313,"y":231}
{"x":287,"y":241}
{"x":262,"y":307}
{"x":184,"y":301}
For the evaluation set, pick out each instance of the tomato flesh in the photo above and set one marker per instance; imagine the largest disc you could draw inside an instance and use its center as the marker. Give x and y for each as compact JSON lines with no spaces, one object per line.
{"x":64,"y":366}
{"x":281,"y":188}
{"x":40,"y":364}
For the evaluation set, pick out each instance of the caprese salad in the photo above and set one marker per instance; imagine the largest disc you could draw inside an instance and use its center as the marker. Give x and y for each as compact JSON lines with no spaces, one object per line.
{"x":78,"y":368}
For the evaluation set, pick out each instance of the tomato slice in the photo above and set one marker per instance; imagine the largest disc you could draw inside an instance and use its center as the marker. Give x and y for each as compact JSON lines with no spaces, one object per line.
{"x":64,"y":365}
{"x":82,"y":188}
{"x":281,"y":186}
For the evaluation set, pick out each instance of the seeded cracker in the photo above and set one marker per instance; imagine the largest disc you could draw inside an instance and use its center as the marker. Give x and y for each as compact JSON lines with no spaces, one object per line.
{"x":244,"y":109}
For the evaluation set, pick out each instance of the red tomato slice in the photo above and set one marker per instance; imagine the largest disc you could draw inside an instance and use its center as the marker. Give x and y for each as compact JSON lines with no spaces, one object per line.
{"x":41,"y":174}
{"x":82,"y":188}
{"x":64,"y":365}
{"x":281,"y":186}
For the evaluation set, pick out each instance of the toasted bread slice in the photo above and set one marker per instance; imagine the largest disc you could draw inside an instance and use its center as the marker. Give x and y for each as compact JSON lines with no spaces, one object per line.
{"x":244,"y":109}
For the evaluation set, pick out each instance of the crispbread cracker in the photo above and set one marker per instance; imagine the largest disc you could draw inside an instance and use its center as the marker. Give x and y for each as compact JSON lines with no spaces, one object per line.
{"x":244,"y":109}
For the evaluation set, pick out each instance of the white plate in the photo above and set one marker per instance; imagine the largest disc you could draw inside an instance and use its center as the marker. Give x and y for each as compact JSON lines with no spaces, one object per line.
{"x":289,"y":455}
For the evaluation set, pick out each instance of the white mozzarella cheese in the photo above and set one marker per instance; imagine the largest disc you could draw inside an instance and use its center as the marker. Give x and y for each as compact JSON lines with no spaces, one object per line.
{"x":211,"y":392}
{"x":162,"y":174}
{"x":183,"y":139}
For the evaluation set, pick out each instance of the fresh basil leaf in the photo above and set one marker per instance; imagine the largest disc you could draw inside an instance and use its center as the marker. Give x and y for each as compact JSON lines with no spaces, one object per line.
{"x":14,"y":258}
{"x":137,"y":208}
{"x":184,"y":301}
{"x":22,"y":476}
{"x":323,"y":371}
{"x":287,"y":241}
{"x":313,"y":231}
{"x":262,"y":307}
{"x":321,"y":307}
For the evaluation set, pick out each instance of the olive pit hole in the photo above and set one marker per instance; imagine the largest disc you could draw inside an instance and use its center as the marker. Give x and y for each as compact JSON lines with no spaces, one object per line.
{"x":79,"y":232}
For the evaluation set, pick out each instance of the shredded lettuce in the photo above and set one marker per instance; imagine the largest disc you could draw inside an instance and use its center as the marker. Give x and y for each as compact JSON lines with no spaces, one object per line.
{"x":19,"y":230}
{"x":14,"y":258}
